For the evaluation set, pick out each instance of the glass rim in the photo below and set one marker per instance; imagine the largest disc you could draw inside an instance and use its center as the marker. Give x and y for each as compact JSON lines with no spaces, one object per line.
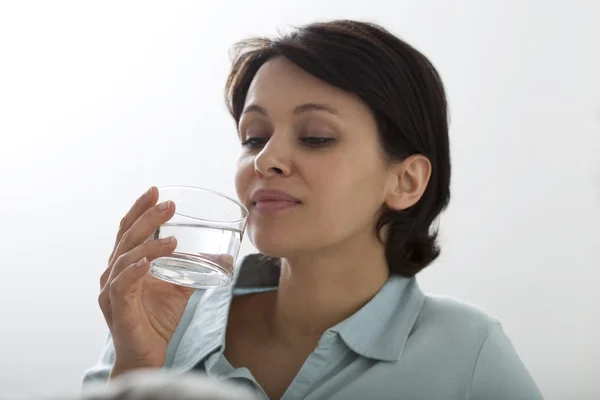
{"x":214,"y":192}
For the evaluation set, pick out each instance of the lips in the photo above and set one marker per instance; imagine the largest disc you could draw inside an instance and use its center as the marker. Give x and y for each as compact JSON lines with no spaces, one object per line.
{"x":270,"y":200}
{"x":261,"y":195}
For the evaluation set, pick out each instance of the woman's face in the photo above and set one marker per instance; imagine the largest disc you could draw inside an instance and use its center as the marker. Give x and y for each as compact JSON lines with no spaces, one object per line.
{"x":318,"y":144}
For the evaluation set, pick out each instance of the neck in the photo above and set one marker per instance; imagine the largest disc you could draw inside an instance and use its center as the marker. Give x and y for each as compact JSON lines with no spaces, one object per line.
{"x":318,"y":291}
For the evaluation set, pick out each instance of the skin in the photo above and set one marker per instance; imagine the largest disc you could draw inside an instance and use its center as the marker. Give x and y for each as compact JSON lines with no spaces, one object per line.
{"x":331,"y":258}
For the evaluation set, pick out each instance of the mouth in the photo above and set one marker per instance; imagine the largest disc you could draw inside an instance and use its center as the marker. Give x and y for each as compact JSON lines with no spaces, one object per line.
{"x":272,"y":206}
{"x":268,"y":201}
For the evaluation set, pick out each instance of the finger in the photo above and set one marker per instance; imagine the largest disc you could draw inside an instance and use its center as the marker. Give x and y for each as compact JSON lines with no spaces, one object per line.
{"x":104,"y":298}
{"x":127,"y":283}
{"x":145,"y":226}
{"x":139,"y":232}
{"x":150,"y":250}
{"x":141,"y":205}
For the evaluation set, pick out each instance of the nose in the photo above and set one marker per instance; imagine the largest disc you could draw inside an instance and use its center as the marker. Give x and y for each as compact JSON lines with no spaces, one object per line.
{"x":273,"y":160}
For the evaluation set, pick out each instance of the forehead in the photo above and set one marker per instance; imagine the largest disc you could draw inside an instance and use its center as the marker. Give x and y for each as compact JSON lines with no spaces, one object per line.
{"x":281,"y":85}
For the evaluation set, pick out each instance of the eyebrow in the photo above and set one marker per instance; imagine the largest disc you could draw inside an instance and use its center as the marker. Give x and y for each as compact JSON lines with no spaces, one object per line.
{"x":303,"y":108}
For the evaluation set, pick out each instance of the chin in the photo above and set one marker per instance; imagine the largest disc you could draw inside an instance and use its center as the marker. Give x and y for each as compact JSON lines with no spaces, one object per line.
{"x":275,"y":244}
{"x":272,"y":247}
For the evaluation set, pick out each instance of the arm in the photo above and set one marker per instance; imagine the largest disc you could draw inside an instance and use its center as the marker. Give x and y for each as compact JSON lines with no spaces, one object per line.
{"x":499,"y":373}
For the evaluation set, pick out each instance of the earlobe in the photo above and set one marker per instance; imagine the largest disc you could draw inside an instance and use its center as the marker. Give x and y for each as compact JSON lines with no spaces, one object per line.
{"x":411,"y":178}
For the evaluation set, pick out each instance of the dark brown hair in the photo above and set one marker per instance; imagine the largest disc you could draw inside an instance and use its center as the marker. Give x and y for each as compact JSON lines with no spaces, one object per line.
{"x":406,"y":95}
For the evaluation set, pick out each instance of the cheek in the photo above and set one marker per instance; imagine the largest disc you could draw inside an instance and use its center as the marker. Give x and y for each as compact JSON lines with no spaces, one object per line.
{"x":354,"y":193}
{"x":344,"y":181}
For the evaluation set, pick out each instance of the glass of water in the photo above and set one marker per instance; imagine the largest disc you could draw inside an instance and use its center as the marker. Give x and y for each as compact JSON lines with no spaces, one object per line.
{"x":209,"y":227}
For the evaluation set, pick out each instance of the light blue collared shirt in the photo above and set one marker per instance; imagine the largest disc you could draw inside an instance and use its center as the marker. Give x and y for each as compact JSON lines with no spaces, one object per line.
{"x":401,"y":345}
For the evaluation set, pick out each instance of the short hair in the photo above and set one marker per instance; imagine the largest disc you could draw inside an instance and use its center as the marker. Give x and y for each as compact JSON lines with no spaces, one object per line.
{"x":406,"y":95}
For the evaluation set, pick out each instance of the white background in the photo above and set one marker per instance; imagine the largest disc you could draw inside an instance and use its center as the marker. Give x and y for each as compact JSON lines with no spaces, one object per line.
{"x":100,"y":100}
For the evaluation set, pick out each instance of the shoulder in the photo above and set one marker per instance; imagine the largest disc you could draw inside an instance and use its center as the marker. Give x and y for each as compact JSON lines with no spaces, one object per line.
{"x":455,"y":316}
{"x":448,"y":330}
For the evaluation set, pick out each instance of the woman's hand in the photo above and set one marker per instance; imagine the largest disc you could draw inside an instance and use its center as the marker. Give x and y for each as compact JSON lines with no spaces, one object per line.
{"x":141,"y":311}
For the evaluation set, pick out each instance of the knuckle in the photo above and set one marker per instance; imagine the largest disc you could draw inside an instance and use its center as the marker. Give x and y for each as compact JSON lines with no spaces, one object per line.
{"x":123,"y":223}
{"x":113,"y":257}
{"x":103,"y":301}
{"x":126,"y":237}
{"x":103,"y":278}
{"x":115,"y":288}
{"x":120,"y":261}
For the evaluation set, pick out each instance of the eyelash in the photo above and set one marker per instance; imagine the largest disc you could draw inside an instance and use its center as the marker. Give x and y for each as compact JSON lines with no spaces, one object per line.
{"x":311,"y":141}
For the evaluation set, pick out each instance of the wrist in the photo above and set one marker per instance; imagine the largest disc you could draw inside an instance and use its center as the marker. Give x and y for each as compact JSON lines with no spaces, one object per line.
{"x":121,"y":367}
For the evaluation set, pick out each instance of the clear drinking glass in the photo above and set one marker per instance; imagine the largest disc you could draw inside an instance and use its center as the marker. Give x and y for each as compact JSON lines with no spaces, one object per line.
{"x":209,"y":227}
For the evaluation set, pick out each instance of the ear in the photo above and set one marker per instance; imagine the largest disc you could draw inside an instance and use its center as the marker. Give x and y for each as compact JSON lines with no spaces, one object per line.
{"x":409,"y":180}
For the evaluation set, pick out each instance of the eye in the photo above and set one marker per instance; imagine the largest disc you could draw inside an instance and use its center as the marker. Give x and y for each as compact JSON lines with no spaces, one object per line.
{"x":314,"y":141}
{"x":255,"y":142}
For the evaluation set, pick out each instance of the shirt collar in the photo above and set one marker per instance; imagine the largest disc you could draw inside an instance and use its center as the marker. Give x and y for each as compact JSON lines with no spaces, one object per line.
{"x":379,"y":330}
{"x":205,"y":333}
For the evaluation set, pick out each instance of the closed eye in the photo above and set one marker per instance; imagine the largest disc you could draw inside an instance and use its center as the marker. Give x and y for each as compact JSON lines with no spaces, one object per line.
{"x":254,"y":142}
{"x":312,"y":141}
{"x":317,"y":141}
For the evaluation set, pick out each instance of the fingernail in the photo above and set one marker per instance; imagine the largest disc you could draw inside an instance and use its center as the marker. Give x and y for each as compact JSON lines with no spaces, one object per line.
{"x":164,"y":206}
{"x":168,"y":240}
{"x":141,"y":262}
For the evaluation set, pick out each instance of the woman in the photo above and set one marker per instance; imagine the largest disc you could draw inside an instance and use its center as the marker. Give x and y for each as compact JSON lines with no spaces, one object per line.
{"x":344,"y":166}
